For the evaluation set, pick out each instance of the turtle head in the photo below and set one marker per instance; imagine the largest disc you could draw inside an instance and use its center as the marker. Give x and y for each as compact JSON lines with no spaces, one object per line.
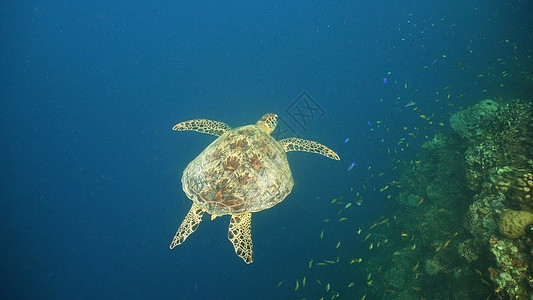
{"x":268,"y":123}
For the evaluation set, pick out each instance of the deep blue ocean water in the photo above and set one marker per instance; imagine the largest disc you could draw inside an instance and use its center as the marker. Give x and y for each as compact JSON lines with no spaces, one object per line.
{"x":90,"y":179}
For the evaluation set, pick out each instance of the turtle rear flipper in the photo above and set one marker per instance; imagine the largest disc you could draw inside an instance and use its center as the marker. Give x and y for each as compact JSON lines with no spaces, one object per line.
{"x":205,"y":126}
{"x":188,"y":226}
{"x":240,"y":234}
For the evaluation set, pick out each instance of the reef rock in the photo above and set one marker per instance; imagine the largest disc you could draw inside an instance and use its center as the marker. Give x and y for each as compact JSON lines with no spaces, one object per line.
{"x":467,"y":122}
{"x":513,"y":223}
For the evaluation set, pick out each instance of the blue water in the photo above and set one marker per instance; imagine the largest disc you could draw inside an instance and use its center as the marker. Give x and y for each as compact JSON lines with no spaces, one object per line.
{"x":90,"y":178}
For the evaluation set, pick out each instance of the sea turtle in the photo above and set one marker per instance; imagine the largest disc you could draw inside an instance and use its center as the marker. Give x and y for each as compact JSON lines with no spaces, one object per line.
{"x":245,"y":170}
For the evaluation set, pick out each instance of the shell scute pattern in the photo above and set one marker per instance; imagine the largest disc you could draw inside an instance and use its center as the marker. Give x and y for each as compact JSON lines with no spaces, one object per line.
{"x":238,"y":173}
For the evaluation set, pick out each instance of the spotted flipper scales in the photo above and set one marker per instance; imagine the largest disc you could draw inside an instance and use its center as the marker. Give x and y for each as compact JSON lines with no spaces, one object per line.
{"x":297,"y":144}
{"x":188,"y":226}
{"x":204,"y":126}
{"x":240,"y":234}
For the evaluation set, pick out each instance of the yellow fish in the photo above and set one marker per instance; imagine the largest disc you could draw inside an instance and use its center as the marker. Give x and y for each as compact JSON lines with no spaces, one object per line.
{"x":328,"y":287}
{"x":416,"y":267}
{"x":322,"y":234}
{"x":304,"y":281}
{"x":338,"y":245}
{"x":343,"y":219}
{"x":310,"y":263}
{"x":297,"y":286}
{"x":351,"y":284}
{"x":384,"y":188}
{"x":281,"y":283}
{"x":384,"y":221}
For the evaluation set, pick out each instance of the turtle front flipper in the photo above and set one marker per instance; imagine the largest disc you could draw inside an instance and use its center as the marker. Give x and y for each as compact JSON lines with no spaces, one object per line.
{"x":240,"y":234}
{"x":297,"y":144}
{"x":188,"y":226}
{"x":204,"y":126}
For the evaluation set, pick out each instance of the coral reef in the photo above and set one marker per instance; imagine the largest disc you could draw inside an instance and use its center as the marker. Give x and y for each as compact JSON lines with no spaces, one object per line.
{"x":512,"y":276}
{"x":499,"y":166}
{"x":481,"y":176}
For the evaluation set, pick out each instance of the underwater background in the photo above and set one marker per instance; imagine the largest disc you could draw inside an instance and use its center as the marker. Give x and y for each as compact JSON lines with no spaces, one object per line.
{"x":428,"y":104}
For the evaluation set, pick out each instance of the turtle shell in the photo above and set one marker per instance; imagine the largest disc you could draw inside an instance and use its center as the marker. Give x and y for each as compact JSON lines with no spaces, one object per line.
{"x":243,"y":170}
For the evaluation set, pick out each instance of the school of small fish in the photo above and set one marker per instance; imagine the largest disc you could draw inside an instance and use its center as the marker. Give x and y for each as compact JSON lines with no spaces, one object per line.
{"x":375,"y":238}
